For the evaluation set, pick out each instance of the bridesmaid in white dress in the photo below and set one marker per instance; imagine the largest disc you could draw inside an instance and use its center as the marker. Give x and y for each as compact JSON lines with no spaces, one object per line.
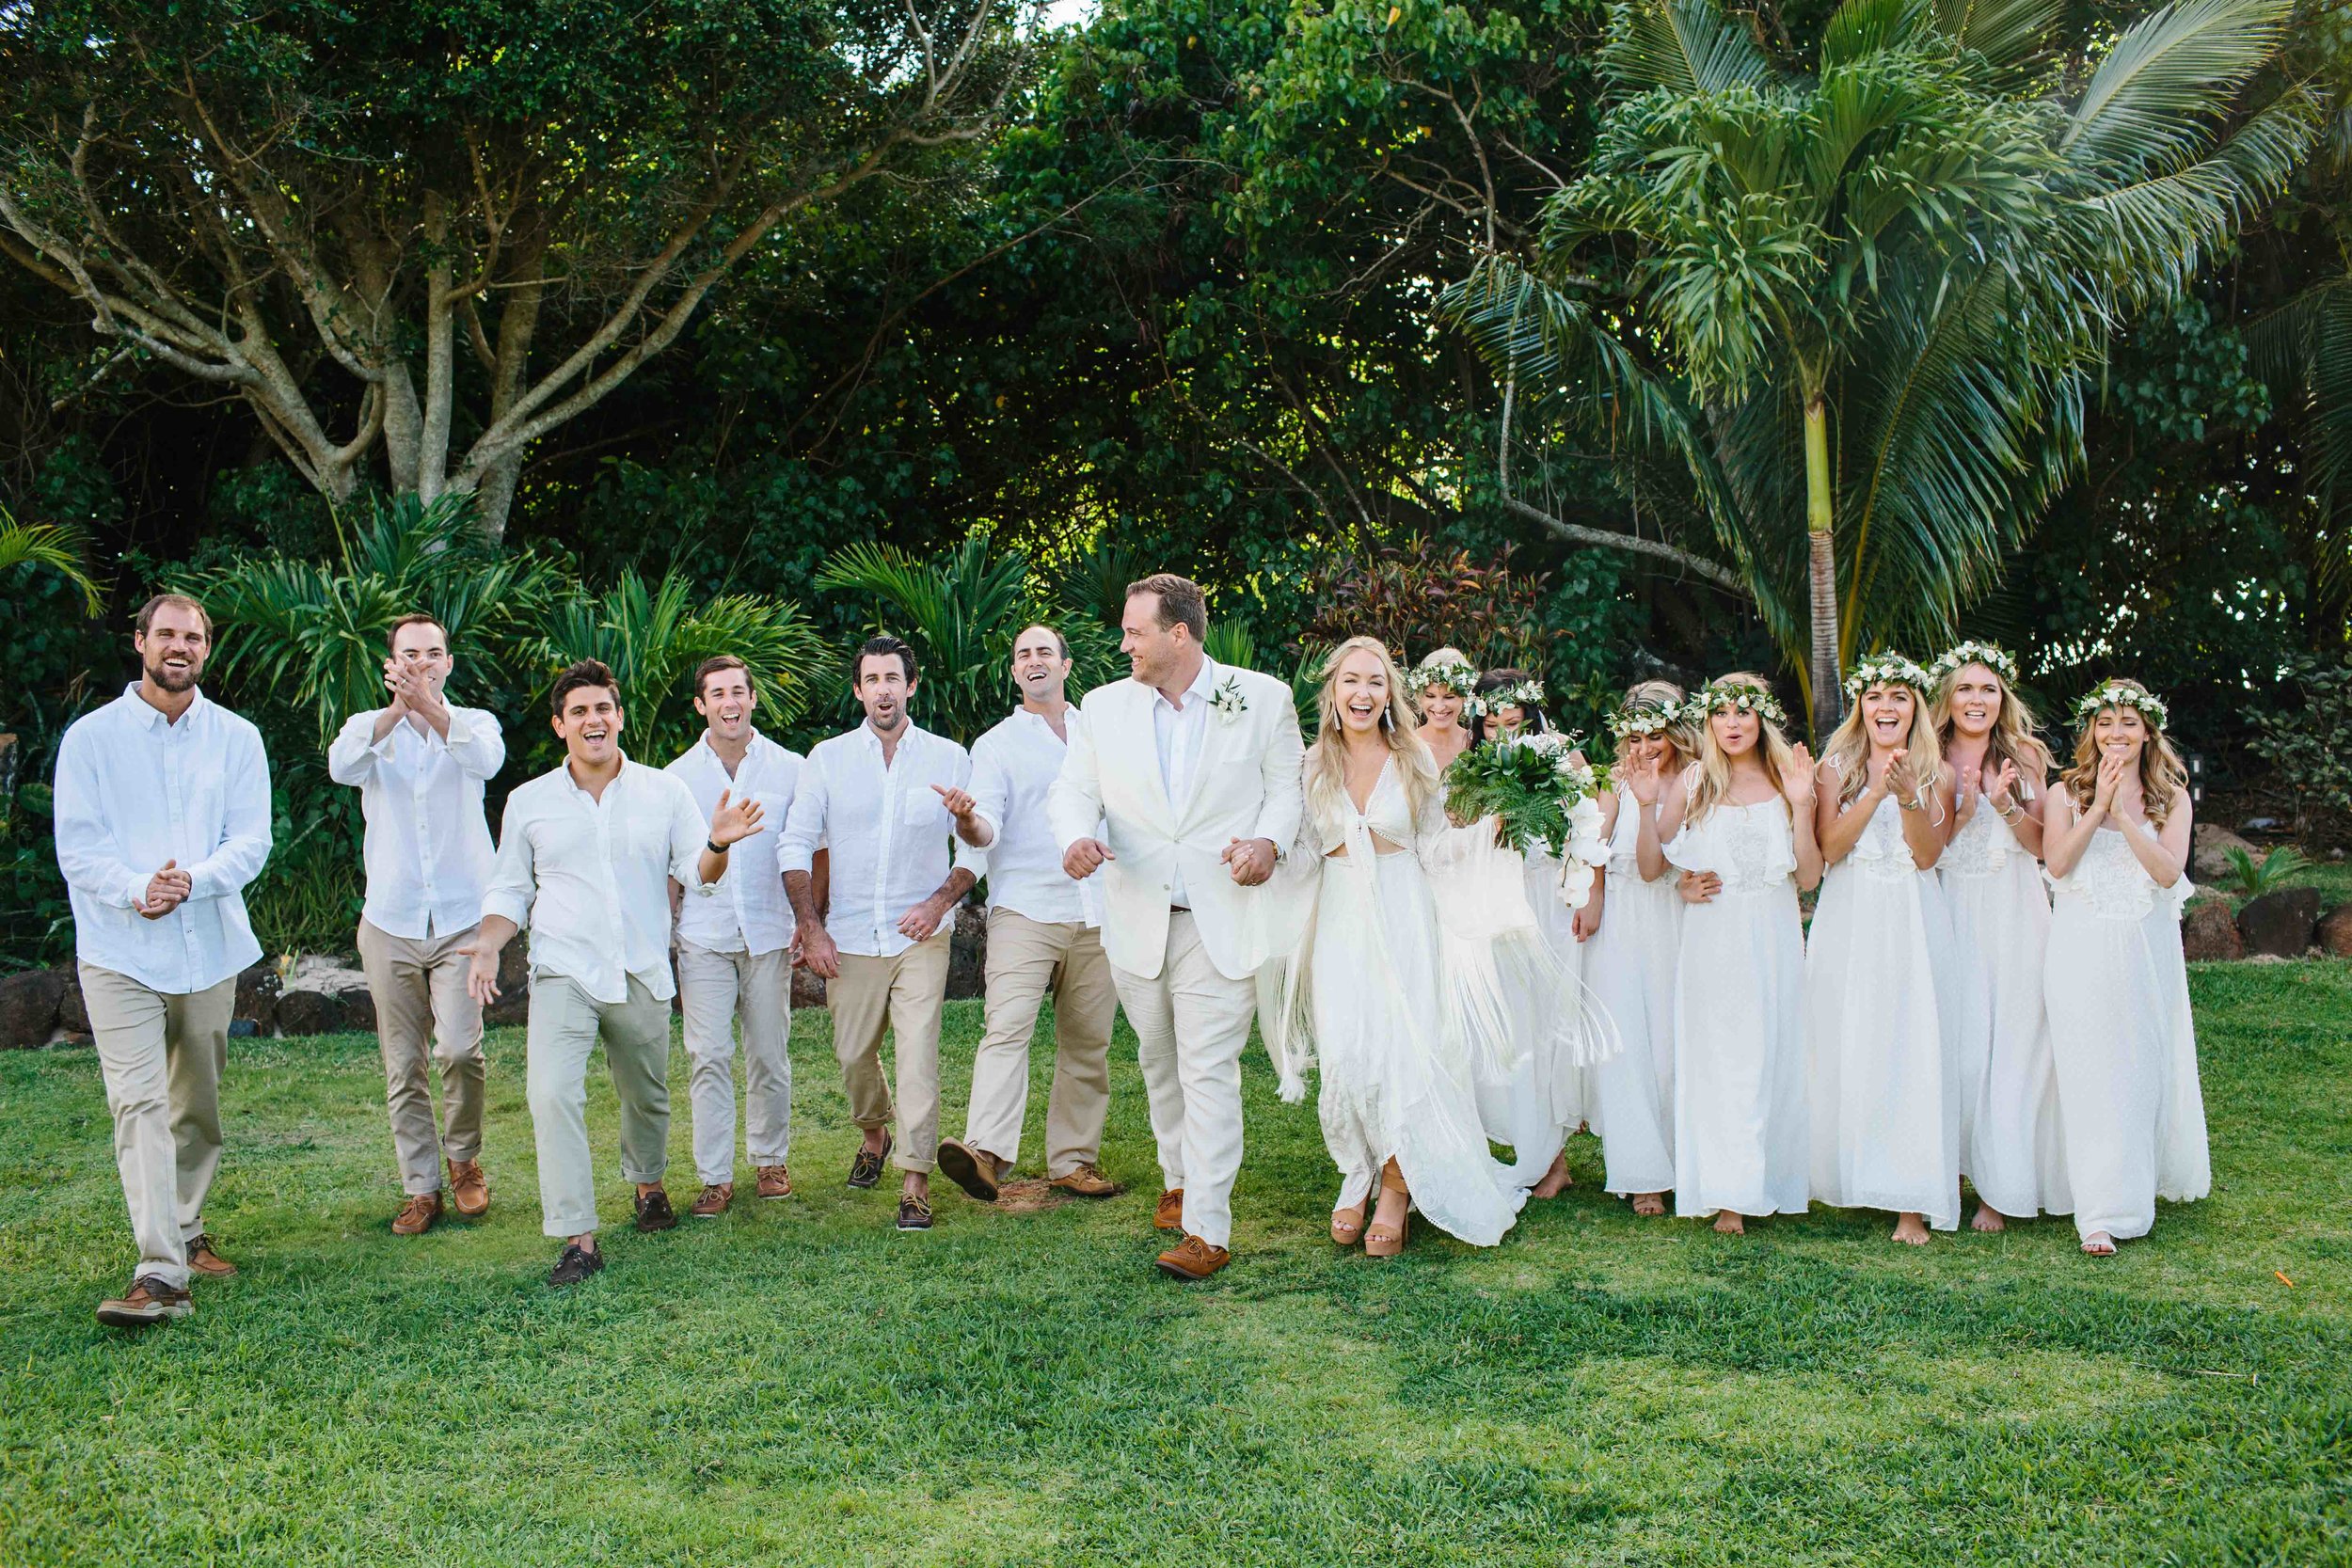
{"x":2010,"y":1143}
{"x":1631,"y":959}
{"x":1397,"y":1103}
{"x":1444,"y":686}
{"x":1881,"y":1021}
{"x":2117,"y":985}
{"x":1743,"y":816}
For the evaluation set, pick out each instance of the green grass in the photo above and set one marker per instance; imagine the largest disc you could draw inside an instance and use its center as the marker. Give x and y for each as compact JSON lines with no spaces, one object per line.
{"x":798,"y":1383}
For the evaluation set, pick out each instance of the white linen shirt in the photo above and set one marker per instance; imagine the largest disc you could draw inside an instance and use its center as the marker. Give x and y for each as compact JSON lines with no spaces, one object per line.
{"x":428,"y":848}
{"x":750,"y":912}
{"x":1178,"y":736}
{"x":588,"y":877}
{"x":1013,"y":766}
{"x":134,"y":789}
{"x":887,"y":829}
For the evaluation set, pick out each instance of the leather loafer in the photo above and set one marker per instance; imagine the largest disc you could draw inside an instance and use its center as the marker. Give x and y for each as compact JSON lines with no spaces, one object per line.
{"x":1088,"y":1181}
{"x":416,"y":1215}
{"x":204,"y":1260}
{"x":713,"y":1202}
{"x":1169,"y":1215}
{"x":774,"y":1181}
{"x":468,"y":1189}
{"x":654,"y":1212}
{"x":576,"y":1264}
{"x":149,"y":1301}
{"x":867,"y":1169}
{"x":973,"y":1169}
{"x":1193,"y":1258}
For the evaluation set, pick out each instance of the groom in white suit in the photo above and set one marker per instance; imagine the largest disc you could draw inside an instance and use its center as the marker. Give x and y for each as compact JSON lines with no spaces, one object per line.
{"x":1194,"y":766}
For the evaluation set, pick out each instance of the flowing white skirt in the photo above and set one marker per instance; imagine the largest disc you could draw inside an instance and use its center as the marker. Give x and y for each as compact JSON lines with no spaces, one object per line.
{"x":2010,"y":1144}
{"x":1630,"y":964}
{"x":1738,"y":1021}
{"x":1535,"y":1109}
{"x":2125,"y":1048}
{"x":1395,"y":1083}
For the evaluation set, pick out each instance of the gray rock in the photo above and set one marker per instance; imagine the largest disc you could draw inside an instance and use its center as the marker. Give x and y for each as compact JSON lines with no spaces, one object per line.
{"x":808,"y":988}
{"x":28,"y":1007}
{"x":2279,"y":923}
{"x":2209,"y":931}
{"x":512,"y":1007}
{"x":2209,"y":847}
{"x":359,"y":1005}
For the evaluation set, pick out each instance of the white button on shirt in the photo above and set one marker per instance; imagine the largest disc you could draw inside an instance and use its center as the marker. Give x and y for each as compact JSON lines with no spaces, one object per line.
{"x":589,"y":878}
{"x":134,"y":790}
{"x":888,"y":831}
{"x":1013,"y":766}
{"x":749,"y":912}
{"x":1178,"y":735}
{"x":428,"y":848}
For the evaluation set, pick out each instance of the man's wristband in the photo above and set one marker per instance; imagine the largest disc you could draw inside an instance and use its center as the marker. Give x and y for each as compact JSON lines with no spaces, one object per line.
{"x":714,"y":848}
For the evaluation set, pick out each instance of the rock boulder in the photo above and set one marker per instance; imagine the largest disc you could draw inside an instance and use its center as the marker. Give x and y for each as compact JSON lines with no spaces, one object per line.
{"x":2334,"y":934}
{"x":2279,"y":923}
{"x":28,"y":1007}
{"x":2209,"y":931}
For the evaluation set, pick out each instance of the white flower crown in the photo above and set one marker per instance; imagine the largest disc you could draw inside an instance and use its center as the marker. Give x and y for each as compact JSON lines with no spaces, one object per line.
{"x":1884,"y":669}
{"x":1734,"y":696}
{"x":2148,"y":705}
{"x":1948,"y":662}
{"x":1527,"y":693}
{"x":1647,"y":717}
{"x":1454,"y":674}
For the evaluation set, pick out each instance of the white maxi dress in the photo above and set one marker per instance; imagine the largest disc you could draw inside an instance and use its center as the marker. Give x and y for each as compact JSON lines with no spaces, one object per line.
{"x":2123,"y":1040}
{"x":1741,"y":1131}
{"x":2011,"y":1145}
{"x":1882,"y":1039}
{"x":1629,"y":965}
{"x":1546,"y":1100}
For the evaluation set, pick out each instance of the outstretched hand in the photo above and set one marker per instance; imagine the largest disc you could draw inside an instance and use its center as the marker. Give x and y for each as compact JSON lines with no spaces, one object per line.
{"x":732,"y":821}
{"x":1796,"y":788}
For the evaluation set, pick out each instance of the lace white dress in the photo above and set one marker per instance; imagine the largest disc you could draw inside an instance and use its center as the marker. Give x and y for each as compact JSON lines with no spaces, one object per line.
{"x":2123,"y":1039}
{"x":1882,"y":1047}
{"x":1397,"y":1063}
{"x":2011,"y":1145}
{"x":1740,"y":1127}
{"x":1629,"y":965}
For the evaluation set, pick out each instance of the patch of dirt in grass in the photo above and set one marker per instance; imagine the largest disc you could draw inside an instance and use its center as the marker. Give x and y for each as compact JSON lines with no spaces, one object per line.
{"x":1029,"y":1195}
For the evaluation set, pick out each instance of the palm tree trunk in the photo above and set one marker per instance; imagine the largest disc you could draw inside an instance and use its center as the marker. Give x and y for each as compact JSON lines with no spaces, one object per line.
{"x":1825,"y":692}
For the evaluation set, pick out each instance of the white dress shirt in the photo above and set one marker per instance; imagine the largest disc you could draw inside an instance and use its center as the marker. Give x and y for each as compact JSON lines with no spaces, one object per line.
{"x":1178,"y":735}
{"x":888,"y":831}
{"x":588,"y":877}
{"x":428,"y":848}
{"x":750,"y":912}
{"x":1014,"y":767}
{"x":134,"y":790}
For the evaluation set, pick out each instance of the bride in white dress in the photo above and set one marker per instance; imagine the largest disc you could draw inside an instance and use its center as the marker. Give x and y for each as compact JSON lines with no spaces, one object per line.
{"x":2117,"y":985}
{"x":1742,"y":817}
{"x":1371,"y":987}
{"x":2009,"y":1144}
{"x":1882,"y":1023}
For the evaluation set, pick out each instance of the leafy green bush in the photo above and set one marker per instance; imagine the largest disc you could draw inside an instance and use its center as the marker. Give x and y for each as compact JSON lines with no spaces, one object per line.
{"x":2309,"y":747}
{"x":2250,"y":879}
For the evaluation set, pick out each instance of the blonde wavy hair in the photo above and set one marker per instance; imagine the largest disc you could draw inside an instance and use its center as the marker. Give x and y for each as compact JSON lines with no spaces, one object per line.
{"x":1715,"y":765}
{"x":1448,"y":655}
{"x":1849,"y":749}
{"x":1682,"y":743}
{"x":1326,"y":759}
{"x":2016,"y":738}
{"x":2163,"y":776}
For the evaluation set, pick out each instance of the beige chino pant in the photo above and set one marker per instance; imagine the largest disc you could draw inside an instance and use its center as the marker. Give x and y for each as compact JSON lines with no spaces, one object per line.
{"x":905,"y":994}
{"x":1026,"y":961}
{"x":424,"y":1013}
{"x":715,"y":990}
{"x":1191,"y":1023}
{"x":162,"y":1057}
{"x":565,"y":1024}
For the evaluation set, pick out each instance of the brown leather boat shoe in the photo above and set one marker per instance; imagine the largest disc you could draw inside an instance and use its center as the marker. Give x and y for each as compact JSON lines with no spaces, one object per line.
{"x":713,"y":1202}
{"x":774,"y":1181}
{"x":1193,"y":1258}
{"x":1086,"y":1182}
{"x":204,"y":1260}
{"x":1169,"y":1215}
{"x":468,"y":1189}
{"x":150,"y":1301}
{"x":416,"y":1215}
{"x":973,"y":1169}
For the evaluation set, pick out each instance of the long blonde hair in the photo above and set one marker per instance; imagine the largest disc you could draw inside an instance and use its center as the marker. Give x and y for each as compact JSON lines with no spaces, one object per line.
{"x":1714,"y":764}
{"x":1681,"y":743}
{"x":1326,"y":759}
{"x":2016,"y":739}
{"x":1847,"y":753}
{"x":2163,"y":776}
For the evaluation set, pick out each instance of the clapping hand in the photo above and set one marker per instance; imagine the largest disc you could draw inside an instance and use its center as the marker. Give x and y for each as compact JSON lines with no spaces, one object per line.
{"x":732,"y":821}
{"x":1250,"y":859}
{"x":2112,"y":768}
{"x":165,"y":890}
{"x":1969,"y":782}
{"x":2002,"y":789}
{"x":1698,"y":887}
{"x":1884,"y":770}
{"x":1796,"y":788}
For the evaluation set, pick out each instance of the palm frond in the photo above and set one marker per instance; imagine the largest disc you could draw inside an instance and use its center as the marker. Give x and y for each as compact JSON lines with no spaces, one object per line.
{"x":2155,"y":96}
{"x":59,"y":546}
{"x":2008,"y":34}
{"x":1684,"y":46}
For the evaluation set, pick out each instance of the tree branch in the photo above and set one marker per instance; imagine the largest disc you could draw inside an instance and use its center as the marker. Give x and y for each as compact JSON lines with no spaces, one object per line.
{"x":1577,"y":533}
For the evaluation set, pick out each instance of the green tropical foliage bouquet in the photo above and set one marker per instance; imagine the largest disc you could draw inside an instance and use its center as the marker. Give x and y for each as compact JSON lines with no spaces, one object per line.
{"x":1539,"y":792}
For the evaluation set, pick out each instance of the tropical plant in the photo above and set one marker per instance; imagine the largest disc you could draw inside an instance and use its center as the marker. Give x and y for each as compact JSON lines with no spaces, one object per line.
{"x":1415,"y":597}
{"x":1859,"y":302}
{"x":2250,"y":879}
{"x":2308,"y":745}
{"x":59,"y":546}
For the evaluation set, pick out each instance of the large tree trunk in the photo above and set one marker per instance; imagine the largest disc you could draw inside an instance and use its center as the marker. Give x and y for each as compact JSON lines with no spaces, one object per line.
{"x":1820,"y":513}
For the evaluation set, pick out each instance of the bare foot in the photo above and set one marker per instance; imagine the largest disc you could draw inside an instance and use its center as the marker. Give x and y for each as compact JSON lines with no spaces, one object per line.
{"x":2099,"y":1244}
{"x":1911,"y":1230}
{"x":1556,"y":1181}
{"x":1649,"y":1205}
{"x":1730,"y":1224}
{"x":1988,"y":1219}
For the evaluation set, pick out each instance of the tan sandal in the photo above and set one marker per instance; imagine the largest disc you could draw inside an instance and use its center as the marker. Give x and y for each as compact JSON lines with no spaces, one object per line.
{"x":1347,"y":1225}
{"x":1381,"y":1242}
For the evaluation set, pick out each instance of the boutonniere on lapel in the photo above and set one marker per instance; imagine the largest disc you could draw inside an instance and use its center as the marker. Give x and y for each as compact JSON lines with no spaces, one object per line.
{"x":1227,"y":702}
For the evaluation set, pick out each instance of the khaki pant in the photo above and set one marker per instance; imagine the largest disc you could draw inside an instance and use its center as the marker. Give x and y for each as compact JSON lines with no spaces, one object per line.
{"x":1026,"y":958}
{"x":565,"y":1024}
{"x":906,"y":993}
{"x":714,"y":989}
{"x":1191,"y":1023}
{"x":162,"y":1058}
{"x":423,"y":1012}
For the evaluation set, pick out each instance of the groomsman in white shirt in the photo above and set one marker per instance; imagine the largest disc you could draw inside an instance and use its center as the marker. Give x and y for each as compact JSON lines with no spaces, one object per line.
{"x":163,"y":818}
{"x":878,"y":797}
{"x":585,"y":857}
{"x":734,"y":951}
{"x":1044,"y":935}
{"x":419,"y":765}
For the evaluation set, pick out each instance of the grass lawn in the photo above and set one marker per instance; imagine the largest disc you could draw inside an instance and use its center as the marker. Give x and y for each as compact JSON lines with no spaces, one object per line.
{"x":798,"y":1383}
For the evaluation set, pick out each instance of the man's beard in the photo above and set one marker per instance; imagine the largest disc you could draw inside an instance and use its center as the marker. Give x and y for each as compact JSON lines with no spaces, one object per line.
{"x":175,"y":678}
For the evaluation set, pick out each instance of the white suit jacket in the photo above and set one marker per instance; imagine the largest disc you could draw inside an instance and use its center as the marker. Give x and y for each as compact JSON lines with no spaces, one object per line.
{"x":1245,"y":785}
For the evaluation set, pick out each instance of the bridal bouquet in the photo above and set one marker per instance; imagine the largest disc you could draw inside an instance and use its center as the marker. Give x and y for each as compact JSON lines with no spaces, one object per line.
{"x":1539,"y":797}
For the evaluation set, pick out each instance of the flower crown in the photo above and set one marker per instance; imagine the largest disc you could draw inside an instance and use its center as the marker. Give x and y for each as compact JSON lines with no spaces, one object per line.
{"x":1647,"y":716}
{"x":1734,"y":696}
{"x":1528,"y":694}
{"x":2115,"y":694}
{"x":1885,"y":670}
{"x":1454,"y":674}
{"x":1948,"y":662}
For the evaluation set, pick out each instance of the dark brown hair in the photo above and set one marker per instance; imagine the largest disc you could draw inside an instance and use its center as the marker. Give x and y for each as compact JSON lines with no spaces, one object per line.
{"x":588,"y":672}
{"x":415,"y":618}
{"x":146,"y":612}
{"x":717,"y":662}
{"x":1181,"y":602}
{"x":1061,"y":643}
{"x":882,"y":647}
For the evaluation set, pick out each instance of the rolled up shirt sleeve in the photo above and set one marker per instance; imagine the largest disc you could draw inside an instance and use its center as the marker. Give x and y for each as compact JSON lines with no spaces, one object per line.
{"x":805,"y":824}
{"x":689,"y":833}
{"x":244,"y":841}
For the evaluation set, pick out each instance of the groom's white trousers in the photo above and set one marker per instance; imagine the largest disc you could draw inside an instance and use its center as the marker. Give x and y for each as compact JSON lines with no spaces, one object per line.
{"x":1191,"y":1024}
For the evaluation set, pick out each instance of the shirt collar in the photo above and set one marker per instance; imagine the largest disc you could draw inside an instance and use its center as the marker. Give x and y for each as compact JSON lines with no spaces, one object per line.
{"x":710,"y":753}
{"x":1202,"y":686}
{"x":563,"y":769}
{"x":865,"y":732}
{"x":150,"y":714}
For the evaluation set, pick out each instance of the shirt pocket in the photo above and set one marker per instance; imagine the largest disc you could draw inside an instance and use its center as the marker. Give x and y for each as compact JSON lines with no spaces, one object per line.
{"x":921,"y":807}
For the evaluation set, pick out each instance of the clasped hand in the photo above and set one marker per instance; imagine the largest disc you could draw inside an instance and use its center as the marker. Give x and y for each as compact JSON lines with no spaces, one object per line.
{"x":167,"y":891}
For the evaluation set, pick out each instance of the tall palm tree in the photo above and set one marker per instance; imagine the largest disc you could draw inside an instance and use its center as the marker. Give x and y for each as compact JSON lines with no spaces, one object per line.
{"x":1859,"y":301}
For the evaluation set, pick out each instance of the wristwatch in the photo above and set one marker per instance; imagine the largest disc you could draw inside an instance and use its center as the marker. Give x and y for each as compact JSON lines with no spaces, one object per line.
{"x":715,"y":848}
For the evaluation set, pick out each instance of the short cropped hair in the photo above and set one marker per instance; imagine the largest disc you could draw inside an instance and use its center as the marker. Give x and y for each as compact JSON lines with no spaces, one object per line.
{"x":588,"y":672}
{"x":177,"y":601}
{"x":717,"y":662}
{"x":880,"y":647}
{"x":1181,"y":602}
{"x":414,"y":618}
{"x":1061,"y":643}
